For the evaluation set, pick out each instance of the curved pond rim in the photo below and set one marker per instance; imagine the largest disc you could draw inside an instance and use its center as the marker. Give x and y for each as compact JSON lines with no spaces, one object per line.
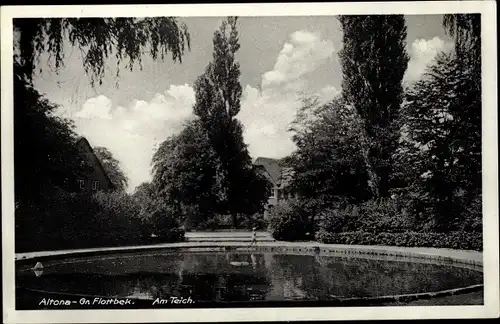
{"x":464,"y":257}
{"x":458,"y":258}
{"x":85,"y":257}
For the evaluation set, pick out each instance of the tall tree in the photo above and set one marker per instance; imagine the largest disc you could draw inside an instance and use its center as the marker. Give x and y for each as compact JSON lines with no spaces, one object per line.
{"x":374,"y":60}
{"x":46,"y":163}
{"x":45,"y":153}
{"x":447,"y":141}
{"x":112,"y":168}
{"x":98,"y":39}
{"x":466,"y":31}
{"x":218,"y":94}
{"x":184,"y":173}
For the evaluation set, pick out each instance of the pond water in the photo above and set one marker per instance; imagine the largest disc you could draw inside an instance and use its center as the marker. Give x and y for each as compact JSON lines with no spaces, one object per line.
{"x":241,"y":276}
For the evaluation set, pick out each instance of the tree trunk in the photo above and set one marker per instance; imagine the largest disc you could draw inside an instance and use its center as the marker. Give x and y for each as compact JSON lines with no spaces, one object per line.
{"x":234,"y":219}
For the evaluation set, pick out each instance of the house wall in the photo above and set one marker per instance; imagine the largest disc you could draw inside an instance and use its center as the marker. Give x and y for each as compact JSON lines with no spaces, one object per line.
{"x":279,"y":196}
{"x":96,"y":174}
{"x":272,"y":201}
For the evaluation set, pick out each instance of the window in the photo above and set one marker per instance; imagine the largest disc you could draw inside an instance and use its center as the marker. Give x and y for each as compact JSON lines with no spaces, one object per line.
{"x":81,"y":184}
{"x":95,"y":185}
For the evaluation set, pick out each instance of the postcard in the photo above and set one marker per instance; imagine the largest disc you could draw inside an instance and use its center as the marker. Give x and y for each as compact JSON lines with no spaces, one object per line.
{"x":249,"y":162}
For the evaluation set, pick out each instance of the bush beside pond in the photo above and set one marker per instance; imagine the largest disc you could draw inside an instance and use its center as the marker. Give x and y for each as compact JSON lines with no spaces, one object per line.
{"x":74,"y":220}
{"x":289,"y":222}
{"x":452,"y":240}
{"x":375,"y":216}
{"x":390,"y":221}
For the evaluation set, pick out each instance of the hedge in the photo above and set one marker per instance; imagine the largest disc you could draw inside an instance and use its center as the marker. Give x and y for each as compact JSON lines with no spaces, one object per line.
{"x":452,"y":240}
{"x":74,"y":220}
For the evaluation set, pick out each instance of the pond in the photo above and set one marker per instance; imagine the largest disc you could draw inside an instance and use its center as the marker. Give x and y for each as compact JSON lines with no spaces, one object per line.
{"x":238,"y":277}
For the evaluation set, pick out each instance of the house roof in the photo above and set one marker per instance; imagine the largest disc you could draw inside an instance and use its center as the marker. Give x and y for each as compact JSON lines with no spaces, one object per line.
{"x":272,"y":167}
{"x":280,"y":176}
{"x":83,"y":142}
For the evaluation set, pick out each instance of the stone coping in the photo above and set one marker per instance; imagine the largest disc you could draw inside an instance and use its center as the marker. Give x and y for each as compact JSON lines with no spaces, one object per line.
{"x":456,"y":256}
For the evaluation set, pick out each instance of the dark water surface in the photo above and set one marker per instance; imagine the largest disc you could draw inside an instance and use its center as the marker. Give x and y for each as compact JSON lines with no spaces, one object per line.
{"x":229,"y":276}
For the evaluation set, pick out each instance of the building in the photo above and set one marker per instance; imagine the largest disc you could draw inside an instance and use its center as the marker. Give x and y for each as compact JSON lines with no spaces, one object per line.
{"x":280,"y":178}
{"x":96,"y":178}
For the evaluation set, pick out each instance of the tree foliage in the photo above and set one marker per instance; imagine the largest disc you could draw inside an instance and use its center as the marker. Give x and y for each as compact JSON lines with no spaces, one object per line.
{"x":45,"y":151}
{"x":98,"y":39}
{"x":185,"y":170}
{"x":112,"y":168}
{"x":145,"y":196}
{"x":218,"y":94}
{"x":374,"y":61}
{"x":466,"y":31}
{"x":443,"y":114}
{"x":329,"y":161}
{"x":143,"y":192}
{"x":441,"y":155}
{"x":47,"y":160}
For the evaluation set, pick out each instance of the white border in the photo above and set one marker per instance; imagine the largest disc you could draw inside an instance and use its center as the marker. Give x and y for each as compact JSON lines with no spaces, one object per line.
{"x":490,"y":165}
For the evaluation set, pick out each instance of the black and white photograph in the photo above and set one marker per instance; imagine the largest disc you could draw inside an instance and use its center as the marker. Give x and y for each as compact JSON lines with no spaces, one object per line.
{"x":212,"y":162}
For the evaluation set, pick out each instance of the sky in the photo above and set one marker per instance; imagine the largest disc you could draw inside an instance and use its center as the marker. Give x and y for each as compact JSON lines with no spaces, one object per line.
{"x":280,"y":58}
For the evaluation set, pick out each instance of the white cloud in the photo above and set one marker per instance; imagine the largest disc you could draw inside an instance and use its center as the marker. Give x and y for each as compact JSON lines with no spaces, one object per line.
{"x":97,"y":107}
{"x":303,"y":54}
{"x":132,"y":133}
{"x":267,"y":113}
{"x":422,"y":53}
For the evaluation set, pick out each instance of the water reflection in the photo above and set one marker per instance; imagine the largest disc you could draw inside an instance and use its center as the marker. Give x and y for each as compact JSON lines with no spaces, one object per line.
{"x":229,"y":276}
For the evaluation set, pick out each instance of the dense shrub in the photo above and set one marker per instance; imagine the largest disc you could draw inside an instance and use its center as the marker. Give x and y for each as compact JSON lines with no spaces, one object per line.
{"x":391,"y":215}
{"x":175,"y":235}
{"x":119,"y":215}
{"x":288,"y":222}
{"x":210,"y":224}
{"x":75,"y":220}
{"x":452,"y":240}
{"x":338,"y":220}
{"x":165,"y":223}
{"x":472,"y":216}
{"x":222,"y":221}
{"x":399,"y":221}
{"x":59,"y":221}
